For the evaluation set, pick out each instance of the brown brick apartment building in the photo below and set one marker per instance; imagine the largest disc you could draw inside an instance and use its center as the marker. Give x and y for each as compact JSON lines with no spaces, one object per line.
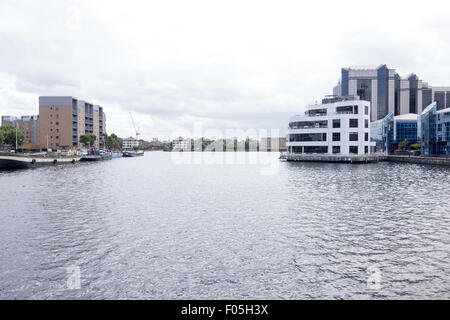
{"x":62,"y":120}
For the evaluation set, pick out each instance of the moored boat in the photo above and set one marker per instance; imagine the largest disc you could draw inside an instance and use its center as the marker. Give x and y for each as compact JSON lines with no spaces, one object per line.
{"x":97,"y":156}
{"x":116,"y":155}
{"x":10,"y":161}
{"x":133,"y":153}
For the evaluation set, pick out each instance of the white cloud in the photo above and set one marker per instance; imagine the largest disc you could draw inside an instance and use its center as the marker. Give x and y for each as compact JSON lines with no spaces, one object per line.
{"x":227,"y":64}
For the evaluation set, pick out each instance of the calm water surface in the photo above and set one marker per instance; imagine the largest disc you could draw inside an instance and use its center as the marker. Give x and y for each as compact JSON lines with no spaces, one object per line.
{"x":147,"y":228}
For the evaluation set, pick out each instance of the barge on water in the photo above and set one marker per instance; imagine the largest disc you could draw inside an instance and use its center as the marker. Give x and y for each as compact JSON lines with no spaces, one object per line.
{"x":133,"y":153}
{"x":10,"y":161}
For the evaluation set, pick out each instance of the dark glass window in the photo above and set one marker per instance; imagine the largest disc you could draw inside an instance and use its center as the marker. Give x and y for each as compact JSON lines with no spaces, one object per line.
{"x":344,"y":110}
{"x":308,"y":137}
{"x":308,"y":124}
{"x":353,"y":149}
{"x":316,"y":112}
{"x":366,"y":123}
{"x":336,"y":149}
{"x":353,"y":136}
{"x":355,"y":109}
{"x":353,"y":123}
{"x":366,"y":136}
{"x":337,"y":123}
{"x":316,"y":149}
{"x":336,"y":136}
{"x":364,"y":89}
{"x":366,"y":110}
{"x":366,"y":149}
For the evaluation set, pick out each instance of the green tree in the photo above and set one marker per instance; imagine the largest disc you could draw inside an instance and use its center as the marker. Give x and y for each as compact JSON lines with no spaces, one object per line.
{"x":88,"y":139}
{"x":113,"y":141}
{"x":8,"y":136}
{"x":404,"y":144}
{"x":416,"y":146}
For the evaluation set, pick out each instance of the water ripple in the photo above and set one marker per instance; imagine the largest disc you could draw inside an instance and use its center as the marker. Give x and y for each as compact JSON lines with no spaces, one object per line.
{"x":146,"y":228}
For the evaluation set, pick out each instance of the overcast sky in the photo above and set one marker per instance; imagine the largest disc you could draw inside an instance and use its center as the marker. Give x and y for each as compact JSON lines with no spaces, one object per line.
{"x":224,"y":64}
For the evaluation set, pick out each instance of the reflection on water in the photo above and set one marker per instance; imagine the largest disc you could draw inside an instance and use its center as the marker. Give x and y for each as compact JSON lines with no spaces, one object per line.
{"x":146,"y":228}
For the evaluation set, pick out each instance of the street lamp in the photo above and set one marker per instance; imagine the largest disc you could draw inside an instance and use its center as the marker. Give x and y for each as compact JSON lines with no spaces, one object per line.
{"x":16,"y":134}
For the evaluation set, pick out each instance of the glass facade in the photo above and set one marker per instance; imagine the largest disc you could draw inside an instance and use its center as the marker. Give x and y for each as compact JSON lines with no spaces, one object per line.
{"x":382,"y":133}
{"x":345,"y":81}
{"x":434,"y":131}
{"x":353,"y":149}
{"x":397,"y":95}
{"x":427,"y":130}
{"x":382,"y":101}
{"x":413,"y":94}
{"x":406,"y":131}
{"x":448,"y":100}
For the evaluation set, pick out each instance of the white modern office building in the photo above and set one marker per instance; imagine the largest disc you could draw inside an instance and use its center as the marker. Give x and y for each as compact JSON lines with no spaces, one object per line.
{"x":338,"y":126}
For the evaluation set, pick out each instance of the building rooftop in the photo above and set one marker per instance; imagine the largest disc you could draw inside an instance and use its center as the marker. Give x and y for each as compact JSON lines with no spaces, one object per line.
{"x":444,"y":110}
{"x":408,"y":116}
{"x":364,"y":67}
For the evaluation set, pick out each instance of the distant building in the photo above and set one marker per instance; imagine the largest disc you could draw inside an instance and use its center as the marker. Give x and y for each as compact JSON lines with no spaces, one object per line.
{"x":339,"y":126}
{"x":28,"y":125}
{"x":130,"y":143}
{"x":181,"y":144}
{"x":388,"y":92}
{"x":389,"y":132}
{"x":9,"y":120}
{"x":434,"y":130}
{"x":272,"y":144}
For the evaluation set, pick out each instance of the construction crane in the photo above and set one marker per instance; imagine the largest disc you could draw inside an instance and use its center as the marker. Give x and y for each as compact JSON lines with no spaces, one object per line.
{"x":134,"y":126}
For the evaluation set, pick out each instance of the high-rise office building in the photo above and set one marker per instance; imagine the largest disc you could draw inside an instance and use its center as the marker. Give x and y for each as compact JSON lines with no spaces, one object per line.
{"x":388,"y":92}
